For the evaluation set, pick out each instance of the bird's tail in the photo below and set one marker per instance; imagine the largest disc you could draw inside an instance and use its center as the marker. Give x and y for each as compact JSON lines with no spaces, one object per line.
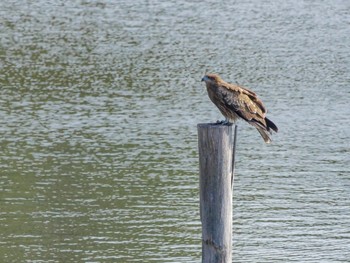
{"x":265,"y":131}
{"x":270,"y":125}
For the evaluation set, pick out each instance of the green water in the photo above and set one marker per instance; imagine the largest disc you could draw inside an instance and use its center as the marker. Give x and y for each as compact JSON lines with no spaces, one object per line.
{"x":99,"y":102}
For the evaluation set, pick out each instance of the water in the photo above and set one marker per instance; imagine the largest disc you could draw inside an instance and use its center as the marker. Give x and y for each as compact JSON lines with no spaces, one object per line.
{"x":99,"y":102}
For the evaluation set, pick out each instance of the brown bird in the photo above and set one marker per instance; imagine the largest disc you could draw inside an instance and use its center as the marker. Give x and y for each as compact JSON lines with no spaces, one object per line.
{"x":235,"y":102}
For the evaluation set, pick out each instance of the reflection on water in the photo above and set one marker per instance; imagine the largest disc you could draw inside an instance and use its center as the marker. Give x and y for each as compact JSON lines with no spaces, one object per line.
{"x":99,"y":103}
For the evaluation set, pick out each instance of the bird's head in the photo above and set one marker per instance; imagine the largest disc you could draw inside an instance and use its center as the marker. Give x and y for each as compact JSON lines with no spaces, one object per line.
{"x":211,"y":78}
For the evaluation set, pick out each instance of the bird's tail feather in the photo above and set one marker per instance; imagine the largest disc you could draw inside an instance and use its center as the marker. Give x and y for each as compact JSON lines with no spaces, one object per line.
{"x":265,"y":128}
{"x":270,"y":124}
{"x":264,"y":133}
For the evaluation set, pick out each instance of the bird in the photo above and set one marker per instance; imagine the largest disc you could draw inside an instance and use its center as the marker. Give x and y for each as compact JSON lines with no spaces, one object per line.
{"x":237,"y":102}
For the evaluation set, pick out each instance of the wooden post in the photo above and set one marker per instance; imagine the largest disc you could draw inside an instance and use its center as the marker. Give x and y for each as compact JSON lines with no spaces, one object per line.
{"x":234,"y":156}
{"x":215,"y":143}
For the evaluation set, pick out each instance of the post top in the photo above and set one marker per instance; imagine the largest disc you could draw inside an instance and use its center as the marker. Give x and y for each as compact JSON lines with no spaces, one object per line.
{"x":214,"y":125}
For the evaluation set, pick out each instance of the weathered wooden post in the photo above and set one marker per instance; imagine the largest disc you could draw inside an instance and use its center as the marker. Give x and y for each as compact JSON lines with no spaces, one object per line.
{"x":215,"y":143}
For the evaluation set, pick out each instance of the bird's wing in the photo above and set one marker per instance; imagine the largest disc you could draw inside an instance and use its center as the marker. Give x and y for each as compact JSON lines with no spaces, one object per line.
{"x":252,"y":95}
{"x":244,"y":103}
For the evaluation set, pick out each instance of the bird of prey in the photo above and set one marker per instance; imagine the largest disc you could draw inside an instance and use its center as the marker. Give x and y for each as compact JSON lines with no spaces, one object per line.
{"x":235,"y":102}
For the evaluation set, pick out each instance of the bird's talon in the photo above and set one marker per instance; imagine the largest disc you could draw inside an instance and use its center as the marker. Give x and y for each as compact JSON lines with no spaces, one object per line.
{"x":224,"y":122}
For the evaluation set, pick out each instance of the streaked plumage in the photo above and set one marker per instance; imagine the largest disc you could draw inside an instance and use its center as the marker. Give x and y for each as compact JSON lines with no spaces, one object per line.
{"x":235,"y":102}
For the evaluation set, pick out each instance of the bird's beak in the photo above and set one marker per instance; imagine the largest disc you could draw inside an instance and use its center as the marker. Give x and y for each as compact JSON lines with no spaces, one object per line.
{"x":204,"y":78}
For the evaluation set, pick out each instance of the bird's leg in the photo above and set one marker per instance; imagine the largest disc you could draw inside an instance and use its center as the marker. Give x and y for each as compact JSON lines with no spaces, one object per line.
{"x":224,"y":122}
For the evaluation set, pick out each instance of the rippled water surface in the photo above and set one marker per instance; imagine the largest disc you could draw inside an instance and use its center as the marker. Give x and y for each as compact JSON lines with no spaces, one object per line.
{"x":99,"y":102}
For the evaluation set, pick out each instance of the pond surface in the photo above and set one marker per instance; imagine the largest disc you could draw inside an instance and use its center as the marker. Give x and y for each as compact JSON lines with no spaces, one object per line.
{"x":99,"y":102}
